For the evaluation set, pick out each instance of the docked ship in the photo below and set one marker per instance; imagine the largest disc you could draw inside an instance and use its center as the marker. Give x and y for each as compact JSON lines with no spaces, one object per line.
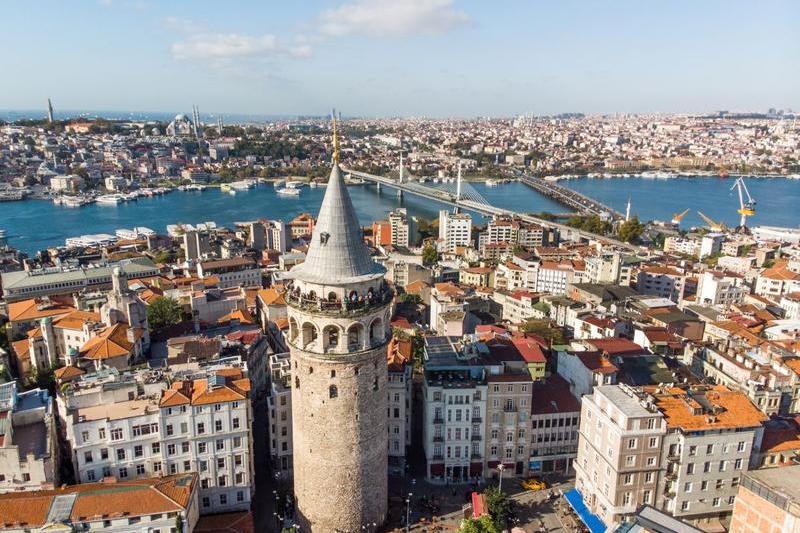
{"x":110,"y":199}
{"x":288,"y":191}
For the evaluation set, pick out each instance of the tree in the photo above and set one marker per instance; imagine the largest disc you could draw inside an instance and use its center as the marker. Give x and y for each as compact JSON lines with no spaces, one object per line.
{"x":484,"y":524}
{"x":544,"y":329}
{"x":164,"y":312}
{"x":630,"y":230}
{"x":429,"y":255}
{"x":499,"y":507}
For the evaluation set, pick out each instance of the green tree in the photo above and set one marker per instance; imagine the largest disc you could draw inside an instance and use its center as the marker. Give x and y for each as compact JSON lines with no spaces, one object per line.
{"x":484,"y":524}
{"x":164,"y":312}
{"x":631,"y":230}
{"x":499,"y":507}
{"x":429,"y":255}
{"x":544,"y":329}
{"x":162,"y":257}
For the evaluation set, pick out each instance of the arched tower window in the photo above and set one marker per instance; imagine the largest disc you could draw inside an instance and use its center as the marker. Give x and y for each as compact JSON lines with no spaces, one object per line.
{"x":296,"y":382}
{"x":333,"y":373}
{"x":376,"y":331}
{"x":355,"y":336}
{"x":333,"y":392}
{"x":330,"y":337}
{"x":293,"y":329}
{"x":309,"y":334}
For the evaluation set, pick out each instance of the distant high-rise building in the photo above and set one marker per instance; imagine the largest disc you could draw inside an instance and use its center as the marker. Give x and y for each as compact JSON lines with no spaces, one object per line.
{"x":49,"y":111}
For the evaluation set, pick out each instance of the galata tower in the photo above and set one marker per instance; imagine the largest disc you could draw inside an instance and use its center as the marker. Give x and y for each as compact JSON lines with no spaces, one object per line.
{"x":339,"y":309}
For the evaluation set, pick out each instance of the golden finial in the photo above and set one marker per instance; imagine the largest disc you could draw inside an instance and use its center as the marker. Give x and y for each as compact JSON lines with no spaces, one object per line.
{"x":335,"y":141}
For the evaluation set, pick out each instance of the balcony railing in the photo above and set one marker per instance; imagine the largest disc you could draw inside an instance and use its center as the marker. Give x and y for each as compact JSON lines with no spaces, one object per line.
{"x":334,"y":307}
{"x":476,"y":437}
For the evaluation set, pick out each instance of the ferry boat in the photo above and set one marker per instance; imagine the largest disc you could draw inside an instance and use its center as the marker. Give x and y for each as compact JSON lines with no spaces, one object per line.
{"x":295,"y":184}
{"x":134,"y":233}
{"x":289,"y":191}
{"x":225,"y":187}
{"x":110,"y":199}
{"x":83,"y":241}
{"x":491,"y":183}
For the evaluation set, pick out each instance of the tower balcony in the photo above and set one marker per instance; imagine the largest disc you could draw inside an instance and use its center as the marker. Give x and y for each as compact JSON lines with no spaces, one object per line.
{"x":354,"y":306}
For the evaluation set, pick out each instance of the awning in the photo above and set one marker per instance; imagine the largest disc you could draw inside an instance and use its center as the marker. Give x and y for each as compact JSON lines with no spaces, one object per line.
{"x":575,"y":500}
{"x":437,"y":469}
{"x":475,"y":469}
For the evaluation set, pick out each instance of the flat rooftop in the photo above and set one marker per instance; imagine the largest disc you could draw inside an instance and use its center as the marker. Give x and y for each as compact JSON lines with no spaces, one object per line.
{"x":629,"y":405}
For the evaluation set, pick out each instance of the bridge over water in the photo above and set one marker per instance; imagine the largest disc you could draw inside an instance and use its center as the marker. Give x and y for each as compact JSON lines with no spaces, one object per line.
{"x":463,"y":196}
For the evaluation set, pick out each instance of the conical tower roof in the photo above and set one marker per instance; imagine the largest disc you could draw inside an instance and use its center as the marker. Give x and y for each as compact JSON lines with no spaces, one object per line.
{"x":337,"y":254}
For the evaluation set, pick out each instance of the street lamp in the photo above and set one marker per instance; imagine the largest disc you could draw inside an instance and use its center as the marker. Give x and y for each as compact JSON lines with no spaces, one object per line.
{"x":501,"y":467}
{"x":408,"y":511}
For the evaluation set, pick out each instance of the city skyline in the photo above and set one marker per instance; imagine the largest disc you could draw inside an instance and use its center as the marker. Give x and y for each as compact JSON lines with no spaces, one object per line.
{"x":442,"y":58}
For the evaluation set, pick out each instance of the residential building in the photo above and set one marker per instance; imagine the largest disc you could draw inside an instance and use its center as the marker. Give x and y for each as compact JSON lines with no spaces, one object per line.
{"x":508,"y":412}
{"x":454,"y":393}
{"x":233,"y":272}
{"x":455,"y":230}
{"x":28,"y":442}
{"x":279,"y":416}
{"x":720,"y":288}
{"x":402,"y":228}
{"x":155,"y":504}
{"x":619,"y":449}
{"x":555,"y":414}
{"x":767,"y":502}
{"x":197,"y":425}
{"x":399,"y":386}
{"x":665,"y":282}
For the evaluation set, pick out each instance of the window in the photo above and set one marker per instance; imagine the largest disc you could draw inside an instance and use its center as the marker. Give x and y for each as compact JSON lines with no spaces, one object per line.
{"x":651,"y":461}
{"x":187,"y":465}
{"x":716,"y":502}
{"x":704,"y":485}
{"x":139,"y":470}
{"x":87,"y":457}
{"x":628,"y":480}
{"x":692,"y":450}
{"x":123,"y":473}
{"x":630,"y":460}
{"x":203,"y":466}
{"x":687,"y":487}
{"x":690,"y":468}
{"x":235,"y":423}
{"x":237,"y":442}
{"x":138,"y":451}
{"x":653,"y":443}
{"x":116,"y":434}
{"x":737,"y":465}
{"x":742,"y":445}
{"x":648,"y":477}
{"x":646,"y":497}
{"x":171,"y":449}
{"x":169,"y":430}
{"x":201,"y":428}
{"x":156,"y":448}
{"x":709,"y":449}
{"x":89,"y":475}
{"x":217,"y":425}
{"x":240,"y":496}
{"x":222,"y":481}
{"x":85,"y":436}
{"x":201,"y":447}
{"x":333,"y":392}
{"x":684,"y":506}
{"x":220,"y":463}
{"x":120,"y":454}
{"x":157,"y":466}
{"x":220,"y":445}
{"x":223,"y":499}
{"x":631,"y":444}
{"x":101,"y":433}
{"x":185,"y":447}
{"x":206,"y":502}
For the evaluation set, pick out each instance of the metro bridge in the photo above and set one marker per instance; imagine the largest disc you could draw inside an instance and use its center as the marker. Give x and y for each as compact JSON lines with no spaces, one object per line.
{"x":462,"y":195}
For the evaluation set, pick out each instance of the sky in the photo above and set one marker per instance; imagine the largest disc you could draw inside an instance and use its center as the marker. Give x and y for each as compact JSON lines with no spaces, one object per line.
{"x":435,"y":58}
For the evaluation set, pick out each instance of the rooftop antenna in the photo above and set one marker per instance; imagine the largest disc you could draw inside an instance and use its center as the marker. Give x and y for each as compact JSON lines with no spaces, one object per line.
{"x":49,"y":111}
{"x":335,"y":139}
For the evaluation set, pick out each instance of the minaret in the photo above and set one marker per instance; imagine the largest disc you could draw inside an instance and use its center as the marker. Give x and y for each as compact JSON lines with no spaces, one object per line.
{"x":49,"y":111}
{"x":628,"y":210}
{"x":339,"y":308}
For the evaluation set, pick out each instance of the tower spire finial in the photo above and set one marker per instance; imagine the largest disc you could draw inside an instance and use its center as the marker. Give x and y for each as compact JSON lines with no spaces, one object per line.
{"x":335,"y":140}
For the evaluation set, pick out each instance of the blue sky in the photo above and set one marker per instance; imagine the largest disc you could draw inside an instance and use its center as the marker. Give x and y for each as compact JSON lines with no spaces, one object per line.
{"x":401,"y":57}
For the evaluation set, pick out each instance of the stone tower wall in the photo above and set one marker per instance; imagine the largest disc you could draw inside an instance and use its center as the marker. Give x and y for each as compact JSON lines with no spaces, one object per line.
{"x":340,"y":443}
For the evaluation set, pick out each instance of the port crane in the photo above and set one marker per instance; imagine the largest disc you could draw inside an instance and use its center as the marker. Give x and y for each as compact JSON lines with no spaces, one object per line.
{"x":677,"y":217}
{"x":746,"y":208}
{"x":712,"y":225}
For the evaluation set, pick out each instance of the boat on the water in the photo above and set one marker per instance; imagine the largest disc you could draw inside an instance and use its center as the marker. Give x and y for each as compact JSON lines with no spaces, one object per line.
{"x":288,"y":191}
{"x":110,"y":199}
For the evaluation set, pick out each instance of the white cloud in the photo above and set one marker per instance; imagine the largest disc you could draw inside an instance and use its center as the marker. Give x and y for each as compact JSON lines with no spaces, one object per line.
{"x":224,"y":46}
{"x":392,"y":18}
{"x":197,"y":43}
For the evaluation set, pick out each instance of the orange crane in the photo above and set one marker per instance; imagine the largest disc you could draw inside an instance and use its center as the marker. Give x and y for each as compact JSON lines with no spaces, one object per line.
{"x":677,"y":217}
{"x":712,"y":225}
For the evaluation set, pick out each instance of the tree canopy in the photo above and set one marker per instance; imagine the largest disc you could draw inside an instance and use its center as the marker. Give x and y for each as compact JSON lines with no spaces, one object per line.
{"x":484,"y":524}
{"x":429,"y":255}
{"x":164,"y":312}
{"x":631,"y":230}
{"x":544,"y":329}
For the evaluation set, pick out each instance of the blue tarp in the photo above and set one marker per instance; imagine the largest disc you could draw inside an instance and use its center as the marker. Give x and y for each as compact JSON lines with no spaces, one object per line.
{"x":575,"y":500}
